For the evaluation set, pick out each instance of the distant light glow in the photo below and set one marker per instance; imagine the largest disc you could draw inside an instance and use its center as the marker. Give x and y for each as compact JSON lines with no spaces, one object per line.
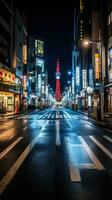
{"x":69,"y":72}
{"x":68,"y":82}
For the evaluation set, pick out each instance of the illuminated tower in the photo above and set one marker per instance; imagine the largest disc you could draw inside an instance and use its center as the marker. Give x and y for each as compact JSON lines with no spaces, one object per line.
{"x":58,"y":90}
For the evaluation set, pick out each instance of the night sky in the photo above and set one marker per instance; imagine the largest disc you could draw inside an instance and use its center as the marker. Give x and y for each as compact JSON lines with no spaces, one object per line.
{"x":53,"y":23}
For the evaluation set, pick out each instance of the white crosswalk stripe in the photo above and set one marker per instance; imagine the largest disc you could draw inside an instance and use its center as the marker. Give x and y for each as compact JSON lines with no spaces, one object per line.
{"x":65,"y":116}
{"x":92,"y":156}
{"x":74,"y":117}
{"x":108,"y":138}
{"x":68,"y":116}
{"x":3,"y":153}
{"x":102,"y":147}
{"x":49,"y":116}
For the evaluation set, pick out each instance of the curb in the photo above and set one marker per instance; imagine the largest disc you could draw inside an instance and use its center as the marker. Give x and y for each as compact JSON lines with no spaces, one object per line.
{"x":96,"y":122}
{"x":16,"y":115}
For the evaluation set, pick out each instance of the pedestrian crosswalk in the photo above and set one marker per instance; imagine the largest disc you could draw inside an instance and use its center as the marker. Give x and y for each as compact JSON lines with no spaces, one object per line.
{"x":47,"y":115}
{"x":50,"y":116}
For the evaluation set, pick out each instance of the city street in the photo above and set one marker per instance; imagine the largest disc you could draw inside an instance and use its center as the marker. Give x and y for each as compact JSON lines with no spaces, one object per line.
{"x":55,"y":154}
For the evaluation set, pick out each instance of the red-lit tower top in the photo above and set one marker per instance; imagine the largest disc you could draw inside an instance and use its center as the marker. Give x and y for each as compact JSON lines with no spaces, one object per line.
{"x":58,"y":89}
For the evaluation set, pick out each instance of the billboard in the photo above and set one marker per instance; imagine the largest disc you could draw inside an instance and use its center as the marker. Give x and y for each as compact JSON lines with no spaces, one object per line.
{"x":40,"y":63}
{"x":39,"y":48}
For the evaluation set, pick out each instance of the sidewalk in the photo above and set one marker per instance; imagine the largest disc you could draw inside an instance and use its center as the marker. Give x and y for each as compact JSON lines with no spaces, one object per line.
{"x":107,"y":123}
{"x":14,"y":115}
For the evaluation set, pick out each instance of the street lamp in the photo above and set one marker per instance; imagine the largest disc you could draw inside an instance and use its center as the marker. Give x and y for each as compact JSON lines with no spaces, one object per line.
{"x":101,"y":97}
{"x":68,"y":82}
{"x":69,"y":72}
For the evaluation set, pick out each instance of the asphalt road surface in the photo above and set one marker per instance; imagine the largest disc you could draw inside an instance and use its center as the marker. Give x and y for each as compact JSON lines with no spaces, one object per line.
{"x":55,"y":154}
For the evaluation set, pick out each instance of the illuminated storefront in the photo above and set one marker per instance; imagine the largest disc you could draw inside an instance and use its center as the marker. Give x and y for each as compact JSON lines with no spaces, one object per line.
{"x":9,"y":91}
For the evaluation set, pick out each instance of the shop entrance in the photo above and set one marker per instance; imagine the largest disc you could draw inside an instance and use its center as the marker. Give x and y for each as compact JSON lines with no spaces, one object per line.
{"x":10,"y":104}
{"x":6,"y":102}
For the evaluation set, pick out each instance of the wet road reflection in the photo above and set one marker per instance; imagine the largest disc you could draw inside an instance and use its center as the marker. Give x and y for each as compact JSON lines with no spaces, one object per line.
{"x":55,"y":154}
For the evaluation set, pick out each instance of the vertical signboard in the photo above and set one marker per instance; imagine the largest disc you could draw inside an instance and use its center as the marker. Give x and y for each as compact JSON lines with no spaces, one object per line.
{"x":25,"y":54}
{"x":97,"y":66}
{"x":91,"y":78}
{"x":39,"y":83}
{"x":84,"y":79}
{"x":77,"y":76}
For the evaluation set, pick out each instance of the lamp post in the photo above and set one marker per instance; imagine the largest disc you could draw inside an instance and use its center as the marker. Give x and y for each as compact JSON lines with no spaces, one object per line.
{"x":100,"y":107}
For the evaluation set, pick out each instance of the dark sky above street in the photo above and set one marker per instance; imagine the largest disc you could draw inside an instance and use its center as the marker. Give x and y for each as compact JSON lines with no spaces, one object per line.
{"x":53,"y":23}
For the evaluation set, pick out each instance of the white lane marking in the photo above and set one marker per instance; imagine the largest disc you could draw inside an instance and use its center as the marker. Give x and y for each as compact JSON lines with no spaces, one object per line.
{"x":58,"y":139}
{"x":3,"y":153}
{"x":74,"y":173}
{"x":12,"y":171}
{"x":52,"y":116}
{"x":69,"y":123}
{"x":94,"y":159}
{"x":69,"y":117}
{"x":73,"y":168}
{"x":103,"y":148}
{"x":108,"y":138}
{"x":64,"y":116}
{"x":87,"y":166}
{"x":56,"y":115}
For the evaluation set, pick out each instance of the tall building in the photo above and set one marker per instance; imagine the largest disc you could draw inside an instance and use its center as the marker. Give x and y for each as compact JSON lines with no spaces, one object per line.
{"x":99,"y":55}
{"x":20,"y":58}
{"x":38,"y":77}
{"x":7,"y":73}
{"x":13,"y":57}
{"x":76,"y":58}
{"x":58,"y":89}
{"x":82,"y":72}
